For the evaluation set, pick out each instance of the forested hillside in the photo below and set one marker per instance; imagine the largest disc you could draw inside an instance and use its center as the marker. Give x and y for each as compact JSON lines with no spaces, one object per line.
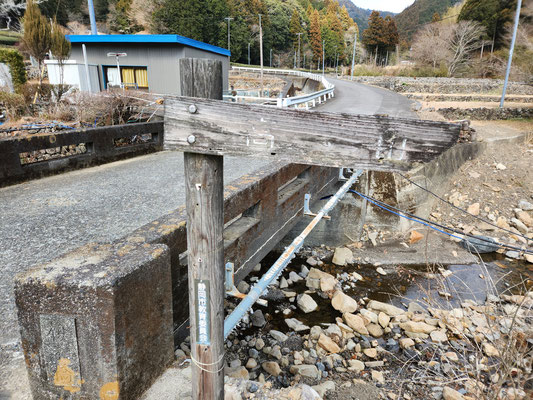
{"x":319,"y":22}
{"x":419,"y":13}
{"x":361,"y":15}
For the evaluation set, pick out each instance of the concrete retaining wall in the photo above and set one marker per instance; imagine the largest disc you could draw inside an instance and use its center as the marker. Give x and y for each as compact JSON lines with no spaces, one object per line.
{"x":84,"y":147}
{"x":390,"y":188}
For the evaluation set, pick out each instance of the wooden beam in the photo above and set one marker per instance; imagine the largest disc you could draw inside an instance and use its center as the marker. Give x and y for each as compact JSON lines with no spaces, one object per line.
{"x":328,"y":139}
{"x":204,"y":187}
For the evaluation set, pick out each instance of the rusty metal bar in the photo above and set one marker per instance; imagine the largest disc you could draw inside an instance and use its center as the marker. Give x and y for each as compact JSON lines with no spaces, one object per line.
{"x":233,"y":319}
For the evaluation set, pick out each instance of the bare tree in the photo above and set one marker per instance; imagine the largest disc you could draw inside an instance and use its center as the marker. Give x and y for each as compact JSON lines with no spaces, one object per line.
{"x":431,"y":46}
{"x":465,"y":38}
{"x":449,"y":44}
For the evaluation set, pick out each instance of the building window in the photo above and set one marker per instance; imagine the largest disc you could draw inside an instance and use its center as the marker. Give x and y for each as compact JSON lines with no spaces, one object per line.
{"x":132,"y":77}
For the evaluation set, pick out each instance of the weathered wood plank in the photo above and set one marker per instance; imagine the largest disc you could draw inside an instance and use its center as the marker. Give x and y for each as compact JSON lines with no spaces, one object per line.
{"x":329,"y":139}
{"x":204,"y":188}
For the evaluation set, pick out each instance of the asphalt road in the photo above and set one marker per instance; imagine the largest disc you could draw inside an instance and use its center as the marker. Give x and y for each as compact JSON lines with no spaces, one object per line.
{"x":355,"y":98}
{"x":42,"y":219}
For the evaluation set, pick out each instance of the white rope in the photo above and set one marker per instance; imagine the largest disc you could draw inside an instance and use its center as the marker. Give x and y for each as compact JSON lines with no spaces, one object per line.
{"x":200,"y":365}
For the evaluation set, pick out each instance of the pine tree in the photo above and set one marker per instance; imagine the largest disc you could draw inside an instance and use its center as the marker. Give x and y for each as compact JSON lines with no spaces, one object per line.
{"x":37,"y":35}
{"x":374,"y":38}
{"x":315,"y":36}
{"x":392,"y":38}
{"x":347,"y":21}
{"x":295,"y":28}
{"x":60,"y":48}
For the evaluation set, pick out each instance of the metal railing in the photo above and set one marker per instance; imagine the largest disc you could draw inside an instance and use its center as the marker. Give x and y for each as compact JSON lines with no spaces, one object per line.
{"x":307,"y":100}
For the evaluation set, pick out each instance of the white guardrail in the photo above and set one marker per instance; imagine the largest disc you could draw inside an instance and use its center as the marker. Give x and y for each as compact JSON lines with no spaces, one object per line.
{"x":306,"y":100}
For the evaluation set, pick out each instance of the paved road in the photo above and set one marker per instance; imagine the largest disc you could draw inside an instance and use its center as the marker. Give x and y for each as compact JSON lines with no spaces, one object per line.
{"x":41,"y":219}
{"x":355,"y":98}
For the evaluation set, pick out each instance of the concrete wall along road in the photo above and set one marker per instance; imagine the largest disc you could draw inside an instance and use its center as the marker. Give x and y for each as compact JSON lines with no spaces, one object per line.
{"x":95,"y":145}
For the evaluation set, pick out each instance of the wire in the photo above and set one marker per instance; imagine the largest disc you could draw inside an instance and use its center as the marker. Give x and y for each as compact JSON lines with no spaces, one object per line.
{"x":430,"y":224}
{"x":461,"y":209}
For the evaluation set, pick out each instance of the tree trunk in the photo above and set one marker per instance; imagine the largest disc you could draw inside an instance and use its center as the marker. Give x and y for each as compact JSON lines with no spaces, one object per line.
{"x":376,"y":56}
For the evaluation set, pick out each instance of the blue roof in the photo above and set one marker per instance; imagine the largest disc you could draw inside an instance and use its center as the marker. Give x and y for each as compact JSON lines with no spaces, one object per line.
{"x":148,"y":39}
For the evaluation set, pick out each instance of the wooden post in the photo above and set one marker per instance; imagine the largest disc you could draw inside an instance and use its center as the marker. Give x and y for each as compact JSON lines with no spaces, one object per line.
{"x":204,"y":188}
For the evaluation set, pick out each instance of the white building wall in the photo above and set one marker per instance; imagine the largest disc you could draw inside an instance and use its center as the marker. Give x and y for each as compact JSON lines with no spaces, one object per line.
{"x":74,"y":75}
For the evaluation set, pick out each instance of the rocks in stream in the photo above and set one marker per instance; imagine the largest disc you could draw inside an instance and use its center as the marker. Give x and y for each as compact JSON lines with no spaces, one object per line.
{"x":343,"y":303}
{"x":306,"y":303}
{"x":376,"y":342}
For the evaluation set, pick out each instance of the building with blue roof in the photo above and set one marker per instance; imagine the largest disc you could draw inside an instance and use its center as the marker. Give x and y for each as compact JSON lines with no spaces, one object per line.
{"x":144,"y":62}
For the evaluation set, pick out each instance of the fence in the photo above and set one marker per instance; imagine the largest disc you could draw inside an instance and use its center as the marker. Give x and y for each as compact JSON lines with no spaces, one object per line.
{"x":28,"y":157}
{"x":307,"y":100}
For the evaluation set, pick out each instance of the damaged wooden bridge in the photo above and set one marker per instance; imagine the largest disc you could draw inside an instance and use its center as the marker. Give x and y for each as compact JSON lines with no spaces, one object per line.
{"x":113,"y":304}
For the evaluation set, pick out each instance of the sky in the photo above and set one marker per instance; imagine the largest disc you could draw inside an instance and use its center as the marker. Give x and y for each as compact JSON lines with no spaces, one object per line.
{"x":384,"y":5}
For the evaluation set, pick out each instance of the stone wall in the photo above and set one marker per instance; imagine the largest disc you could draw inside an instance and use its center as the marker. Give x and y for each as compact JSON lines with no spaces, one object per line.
{"x":485,"y":114}
{"x":444,"y":85}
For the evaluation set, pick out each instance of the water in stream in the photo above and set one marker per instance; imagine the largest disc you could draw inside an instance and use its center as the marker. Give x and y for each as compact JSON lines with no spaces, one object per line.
{"x":425,"y":284}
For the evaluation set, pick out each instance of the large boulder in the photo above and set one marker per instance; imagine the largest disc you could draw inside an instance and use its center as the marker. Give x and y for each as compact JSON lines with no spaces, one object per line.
{"x":388,"y":309}
{"x":343,"y":303}
{"x":356,"y":322}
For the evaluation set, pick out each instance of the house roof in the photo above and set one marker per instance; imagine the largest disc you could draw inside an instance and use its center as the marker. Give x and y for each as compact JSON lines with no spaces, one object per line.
{"x":170,"y":39}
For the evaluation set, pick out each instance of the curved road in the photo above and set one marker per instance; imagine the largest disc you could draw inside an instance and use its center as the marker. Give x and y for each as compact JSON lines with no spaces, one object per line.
{"x":356,"y":98}
{"x":42,"y":219}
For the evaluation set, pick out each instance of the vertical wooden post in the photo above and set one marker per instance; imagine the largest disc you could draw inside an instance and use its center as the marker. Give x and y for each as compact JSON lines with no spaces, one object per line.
{"x":205,"y":224}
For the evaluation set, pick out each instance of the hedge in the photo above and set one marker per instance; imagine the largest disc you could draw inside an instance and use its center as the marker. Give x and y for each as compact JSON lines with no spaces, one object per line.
{"x":15,"y":62}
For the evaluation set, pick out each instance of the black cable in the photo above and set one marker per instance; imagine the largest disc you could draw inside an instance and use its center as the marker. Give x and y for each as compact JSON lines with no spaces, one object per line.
{"x":460,"y":209}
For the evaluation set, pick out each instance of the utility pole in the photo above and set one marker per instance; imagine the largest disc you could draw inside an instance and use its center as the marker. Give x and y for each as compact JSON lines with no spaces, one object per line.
{"x":248,"y":53}
{"x":261,"y":52}
{"x":511,"y":50}
{"x":323,"y":56}
{"x":337,"y":65}
{"x":353,"y":54}
{"x":299,"y":57}
{"x":92,"y":18}
{"x":270,"y":58}
{"x":229,"y":32}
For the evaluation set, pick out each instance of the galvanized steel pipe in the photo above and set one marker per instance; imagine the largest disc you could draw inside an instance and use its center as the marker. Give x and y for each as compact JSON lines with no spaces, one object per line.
{"x":281,"y":263}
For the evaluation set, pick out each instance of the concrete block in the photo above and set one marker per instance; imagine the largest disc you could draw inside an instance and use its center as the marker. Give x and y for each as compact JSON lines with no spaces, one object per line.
{"x":96,"y":323}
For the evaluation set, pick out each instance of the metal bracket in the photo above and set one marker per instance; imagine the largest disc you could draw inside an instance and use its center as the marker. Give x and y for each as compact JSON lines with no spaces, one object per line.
{"x":341,"y":175}
{"x":229,"y":284}
{"x":307,"y":210}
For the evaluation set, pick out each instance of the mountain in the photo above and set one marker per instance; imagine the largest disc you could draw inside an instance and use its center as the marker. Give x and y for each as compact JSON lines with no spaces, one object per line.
{"x":360,"y":15}
{"x":419,"y":13}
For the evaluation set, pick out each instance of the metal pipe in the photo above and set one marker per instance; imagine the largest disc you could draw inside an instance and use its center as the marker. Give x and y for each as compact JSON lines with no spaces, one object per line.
{"x":281,"y":263}
{"x":92,"y":17}
{"x":353,"y":55}
{"x":511,"y":50}
{"x":86,"y":62}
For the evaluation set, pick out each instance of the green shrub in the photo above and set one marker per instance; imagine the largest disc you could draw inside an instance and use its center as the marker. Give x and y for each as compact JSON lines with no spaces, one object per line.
{"x":15,"y":63}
